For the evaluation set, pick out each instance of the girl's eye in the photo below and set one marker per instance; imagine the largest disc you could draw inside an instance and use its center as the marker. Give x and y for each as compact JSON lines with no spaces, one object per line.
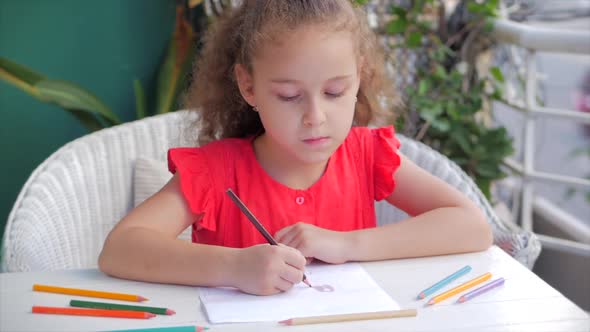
{"x":334,"y":94}
{"x":288,"y":98}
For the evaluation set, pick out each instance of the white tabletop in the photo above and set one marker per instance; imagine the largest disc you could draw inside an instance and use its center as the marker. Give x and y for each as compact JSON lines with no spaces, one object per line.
{"x":523,"y":303}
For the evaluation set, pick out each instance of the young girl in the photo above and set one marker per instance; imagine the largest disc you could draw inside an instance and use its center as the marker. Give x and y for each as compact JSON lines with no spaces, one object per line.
{"x":285,"y":89}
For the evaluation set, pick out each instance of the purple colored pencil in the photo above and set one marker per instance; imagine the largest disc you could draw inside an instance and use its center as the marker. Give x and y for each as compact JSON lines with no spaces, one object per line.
{"x":481,"y":290}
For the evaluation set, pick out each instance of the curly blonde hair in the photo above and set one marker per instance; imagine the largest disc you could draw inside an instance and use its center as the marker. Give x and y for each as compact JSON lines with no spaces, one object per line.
{"x":234,"y":39}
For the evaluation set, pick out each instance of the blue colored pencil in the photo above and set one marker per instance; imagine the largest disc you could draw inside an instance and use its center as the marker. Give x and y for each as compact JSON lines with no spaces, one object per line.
{"x":481,"y":290}
{"x":428,"y":291}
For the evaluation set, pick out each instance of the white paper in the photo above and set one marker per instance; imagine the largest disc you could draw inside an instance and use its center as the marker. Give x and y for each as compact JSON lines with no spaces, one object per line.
{"x":354,"y":291}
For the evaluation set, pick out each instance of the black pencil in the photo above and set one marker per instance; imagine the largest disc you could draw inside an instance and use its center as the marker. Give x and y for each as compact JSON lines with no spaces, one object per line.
{"x":257,"y":224}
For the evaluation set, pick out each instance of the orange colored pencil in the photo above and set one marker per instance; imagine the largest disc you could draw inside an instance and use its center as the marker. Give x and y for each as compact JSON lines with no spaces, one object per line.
{"x":92,"y":312}
{"x":460,"y":288}
{"x":89,"y":293}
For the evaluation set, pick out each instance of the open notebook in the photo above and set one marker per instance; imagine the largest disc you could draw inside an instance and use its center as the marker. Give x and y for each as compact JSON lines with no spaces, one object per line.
{"x":348,"y":288}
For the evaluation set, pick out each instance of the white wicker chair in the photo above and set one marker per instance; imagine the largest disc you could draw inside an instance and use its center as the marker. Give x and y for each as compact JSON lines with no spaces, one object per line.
{"x":523,"y":245}
{"x":75,"y":197}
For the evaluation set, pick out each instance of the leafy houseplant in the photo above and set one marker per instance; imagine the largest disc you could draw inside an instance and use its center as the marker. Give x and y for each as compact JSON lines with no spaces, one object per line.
{"x":93,"y":113}
{"x":448,"y":94}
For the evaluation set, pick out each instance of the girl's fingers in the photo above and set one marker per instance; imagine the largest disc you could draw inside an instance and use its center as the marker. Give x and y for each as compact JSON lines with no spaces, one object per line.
{"x":284,"y":285}
{"x":297,"y":243}
{"x":282,"y":232}
{"x":294,"y":258}
{"x":291,"y":274}
{"x":288,"y":237}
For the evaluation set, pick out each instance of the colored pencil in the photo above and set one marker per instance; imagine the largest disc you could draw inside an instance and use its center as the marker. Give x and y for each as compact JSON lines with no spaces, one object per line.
{"x":167,"y":329}
{"x":257,"y":223}
{"x":428,"y":291}
{"x":481,"y":290}
{"x":89,"y":293}
{"x":92,"y":312}
{"x":350,"y":317}
{"x":116,"y":306}
{"x":460,"y":288}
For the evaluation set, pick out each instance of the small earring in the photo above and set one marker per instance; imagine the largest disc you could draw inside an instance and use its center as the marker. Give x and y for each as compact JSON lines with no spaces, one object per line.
{"x":254,"y":108}
{"x":355,"y":99}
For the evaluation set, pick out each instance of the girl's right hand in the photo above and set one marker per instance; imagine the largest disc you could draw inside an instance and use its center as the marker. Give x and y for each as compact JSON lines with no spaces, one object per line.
{"x":265,"y":269}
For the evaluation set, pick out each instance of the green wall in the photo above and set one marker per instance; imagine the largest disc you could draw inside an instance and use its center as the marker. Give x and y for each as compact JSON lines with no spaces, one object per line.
{"x":100,"y":45}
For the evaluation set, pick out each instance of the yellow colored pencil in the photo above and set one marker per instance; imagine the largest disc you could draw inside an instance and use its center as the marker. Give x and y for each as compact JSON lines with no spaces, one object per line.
{"x":89,"y":293}
{"x":460,"y":288}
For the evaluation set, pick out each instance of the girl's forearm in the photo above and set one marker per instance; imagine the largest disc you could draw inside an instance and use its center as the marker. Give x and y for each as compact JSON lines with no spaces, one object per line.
{"x":442,"y":231}
{"x":143,"y":254}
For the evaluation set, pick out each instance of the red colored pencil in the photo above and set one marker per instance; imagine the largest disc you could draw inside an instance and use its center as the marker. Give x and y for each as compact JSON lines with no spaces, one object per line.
{"x":92,"y":312}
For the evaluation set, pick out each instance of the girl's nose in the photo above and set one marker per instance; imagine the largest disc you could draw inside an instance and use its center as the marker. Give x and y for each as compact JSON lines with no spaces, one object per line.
{"x":314,"y":115}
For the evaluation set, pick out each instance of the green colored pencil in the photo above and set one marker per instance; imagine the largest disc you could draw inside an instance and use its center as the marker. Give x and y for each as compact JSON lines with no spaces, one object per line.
{"x":115,"y":306}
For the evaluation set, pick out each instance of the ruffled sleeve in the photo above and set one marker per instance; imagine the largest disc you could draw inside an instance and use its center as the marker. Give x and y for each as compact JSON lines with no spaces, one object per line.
{"x":195,"y":182}
{"x":386,"y":161}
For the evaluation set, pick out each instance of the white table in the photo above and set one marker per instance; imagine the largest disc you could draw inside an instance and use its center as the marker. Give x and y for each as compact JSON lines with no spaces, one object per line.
{"x":524,"y":303}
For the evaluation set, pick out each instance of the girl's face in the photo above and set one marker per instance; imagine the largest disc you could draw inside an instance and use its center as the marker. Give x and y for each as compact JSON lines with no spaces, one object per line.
{"x":305,"y":91}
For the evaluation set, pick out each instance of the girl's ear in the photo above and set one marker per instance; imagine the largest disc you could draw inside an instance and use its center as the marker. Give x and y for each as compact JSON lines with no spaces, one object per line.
{"x":245,"y":83}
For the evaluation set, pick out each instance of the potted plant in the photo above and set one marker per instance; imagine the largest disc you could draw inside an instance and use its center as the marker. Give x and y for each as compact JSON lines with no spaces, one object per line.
{"x":440,"y":49}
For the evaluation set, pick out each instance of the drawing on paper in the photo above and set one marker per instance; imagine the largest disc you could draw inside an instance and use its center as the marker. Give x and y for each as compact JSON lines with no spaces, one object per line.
{"x":339,"y":289}
{"x":324,"y":288}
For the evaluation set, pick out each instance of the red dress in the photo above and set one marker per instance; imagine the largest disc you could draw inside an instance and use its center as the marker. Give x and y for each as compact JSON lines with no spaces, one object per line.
{"x":359,"y":172}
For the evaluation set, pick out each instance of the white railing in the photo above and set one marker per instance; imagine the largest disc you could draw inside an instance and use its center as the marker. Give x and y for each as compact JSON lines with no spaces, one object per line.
{"x":535,"y":39}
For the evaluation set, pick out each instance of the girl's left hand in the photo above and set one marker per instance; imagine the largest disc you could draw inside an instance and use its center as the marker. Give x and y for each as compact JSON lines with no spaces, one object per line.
{"x":315,"y":242}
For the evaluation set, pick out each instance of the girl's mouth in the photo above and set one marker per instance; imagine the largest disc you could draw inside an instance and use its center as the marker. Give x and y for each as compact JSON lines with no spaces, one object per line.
{"x":316,"y":141}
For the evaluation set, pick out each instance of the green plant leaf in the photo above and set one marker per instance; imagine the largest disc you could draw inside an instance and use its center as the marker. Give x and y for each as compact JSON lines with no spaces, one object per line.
{"x":451,"y":110}
{"x":84,"y":106}
{"x":461,"y":161}
{"x":72,"y":97}
{"x":497,"y":74}
{"x":479,"y":151}
{"x":418,"y":7}
{"x":399,"y":11}
{"x":441,"y":124}
{"x":484,"y":186}
{"x":460,"y":136}
{"x":424,"y":26}
{"x":440,"y":72}
{"x":397,"y":26}
{"x":414,"y":39}
{"x":88,"y":120}
{"x":489,"y":170}
{"x":475,"y":7}
{"x":491,"y":8}
{"x":20,"y":72}
{"x":488,"y":25}
{"x":20,"y":76}
{"x":423,"y":87}
{"x":178,"y":61}
{"x":430,"y":113}
{"x":140,"y":100}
